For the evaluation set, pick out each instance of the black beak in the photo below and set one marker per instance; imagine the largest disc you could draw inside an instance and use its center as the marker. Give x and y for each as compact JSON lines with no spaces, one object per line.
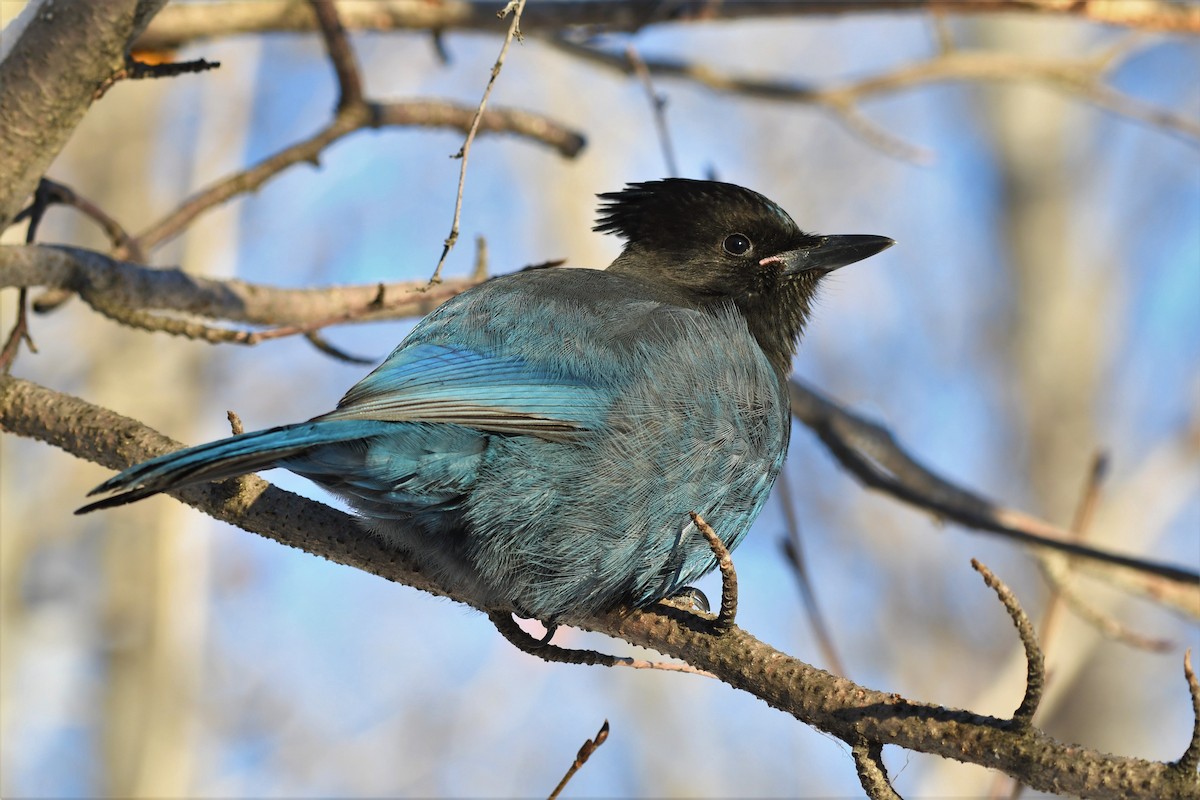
{"x":831,"y":252}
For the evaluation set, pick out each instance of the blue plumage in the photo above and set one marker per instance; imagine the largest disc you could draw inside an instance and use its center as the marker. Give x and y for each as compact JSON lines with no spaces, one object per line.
{"x":543,"y":437}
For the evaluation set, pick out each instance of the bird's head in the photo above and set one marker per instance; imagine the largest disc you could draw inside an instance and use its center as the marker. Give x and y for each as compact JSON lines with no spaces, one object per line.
{"x":712,"y":244}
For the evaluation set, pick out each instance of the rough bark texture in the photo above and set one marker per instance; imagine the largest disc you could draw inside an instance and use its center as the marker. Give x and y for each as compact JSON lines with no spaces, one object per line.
{"x":49,"y":81}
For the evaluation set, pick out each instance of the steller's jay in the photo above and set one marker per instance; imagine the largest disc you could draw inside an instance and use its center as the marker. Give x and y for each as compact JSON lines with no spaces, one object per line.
{"x":542,"y":437}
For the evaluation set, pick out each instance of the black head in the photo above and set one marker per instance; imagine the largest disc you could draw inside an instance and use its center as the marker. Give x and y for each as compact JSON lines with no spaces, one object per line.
{"x":712,"y":244}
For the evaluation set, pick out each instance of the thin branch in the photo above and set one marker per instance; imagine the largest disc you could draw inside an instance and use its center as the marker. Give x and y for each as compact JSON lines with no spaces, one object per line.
{"x":1035,"y":675}
{"x":45,"y":194}
{"x":418,"y":113}
{"x":333,"y":351}
{"x":840,"y":101}
{"x":585,"y":752}
{"x":793,"y":552}
{"x":185,"y":23}
{"x":872,"y":774}
{"x":1053,"y":567}
{"x":135,"y":70}
{"x":19,"y":333}
{"x":61,"y":194}
{"x":514,"y":7}
{"x":872,"y":454}
{"x":1190,"y":759}
{"x":350,"y":90}
{"x":1062,"y":589}
{"x":658,"y":107}
{"x":1107,"y":625}
{"x":729,"y":590}
{"x":1081,"y":77}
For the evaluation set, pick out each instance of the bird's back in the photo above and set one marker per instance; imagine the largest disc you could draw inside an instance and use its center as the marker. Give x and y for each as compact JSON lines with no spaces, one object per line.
{"x":666,"y":409}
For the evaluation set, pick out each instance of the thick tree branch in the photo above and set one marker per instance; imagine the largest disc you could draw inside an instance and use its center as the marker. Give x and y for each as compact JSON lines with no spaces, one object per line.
{"x":49,"y":80}
{"x":830,"y":703}
{"x":191,"y":22}
{"x":123,"y":291}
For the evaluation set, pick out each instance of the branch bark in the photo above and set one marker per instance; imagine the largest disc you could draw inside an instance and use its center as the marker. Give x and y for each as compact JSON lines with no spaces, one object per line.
{"x":49,"y":80}
{"x":120,"y":290}
{"x":182,"y":24}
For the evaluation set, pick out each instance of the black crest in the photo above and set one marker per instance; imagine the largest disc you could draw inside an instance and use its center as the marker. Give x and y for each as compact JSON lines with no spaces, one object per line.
{"x":656,"y":209}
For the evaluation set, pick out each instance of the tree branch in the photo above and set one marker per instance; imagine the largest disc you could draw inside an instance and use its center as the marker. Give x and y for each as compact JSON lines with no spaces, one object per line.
{"x":1035,"y":662}
{"x":185,"y":23}
{"x":48,"y":81}
{"x":827,"y":702}
{"x":872,"y":454}
{"x":126,"y":291}
{"x":411,"y":113}
{"x":1082,"y":78}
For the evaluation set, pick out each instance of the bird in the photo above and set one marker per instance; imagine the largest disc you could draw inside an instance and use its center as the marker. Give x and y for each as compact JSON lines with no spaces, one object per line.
{"x":542,"y":439}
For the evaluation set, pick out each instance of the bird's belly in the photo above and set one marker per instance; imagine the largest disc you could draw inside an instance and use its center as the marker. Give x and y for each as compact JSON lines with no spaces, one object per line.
{"x":565,"y":528}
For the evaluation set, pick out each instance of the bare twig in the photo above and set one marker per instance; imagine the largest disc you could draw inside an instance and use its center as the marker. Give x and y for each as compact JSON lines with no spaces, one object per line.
{"x":48,"y":79}
{"x":61,"y":194}
{"x":404,"y":113}
{"x":1082,"y":78}
{"x":1035,"y":676}
{"x":1053,"y":568}
{"x":350,"y":90}
{"x":658,"y":107}
{"x":872,"y":454}
{"x":1107,"y":625}
{"x":135,"y":70}
{"x":45,"y":194}
{"x":868,"y":762}
{"x":1190,"y":759}
{"x":729,"y":590}
{"x":841,"y":101}
{"x":18,"y":334}
{"x":585,"y":752}
{"x":514,"y":7}
{"x":1063,"y":593}
{"x":793,"y":551}
{"x":328,"y":348}
{"x":235,"y":423}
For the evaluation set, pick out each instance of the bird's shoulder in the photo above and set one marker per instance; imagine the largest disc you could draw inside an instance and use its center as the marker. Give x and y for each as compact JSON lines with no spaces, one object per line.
{"x":568,"y":316}
{"x":546,"y":352}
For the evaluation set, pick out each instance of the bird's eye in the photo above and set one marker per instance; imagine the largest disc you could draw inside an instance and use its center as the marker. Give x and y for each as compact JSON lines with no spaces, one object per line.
{"x":737,"y":244}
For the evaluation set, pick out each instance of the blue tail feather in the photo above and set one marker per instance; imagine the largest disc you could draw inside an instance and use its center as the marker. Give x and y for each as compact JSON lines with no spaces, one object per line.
{"x":227,"y":458}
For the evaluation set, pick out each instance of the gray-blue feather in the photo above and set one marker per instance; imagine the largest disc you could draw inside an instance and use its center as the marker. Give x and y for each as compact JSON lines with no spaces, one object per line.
{"x":544,"y":437}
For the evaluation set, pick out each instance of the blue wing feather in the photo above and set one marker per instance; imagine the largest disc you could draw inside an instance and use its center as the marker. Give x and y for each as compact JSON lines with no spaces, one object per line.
{"x":428,"y":382}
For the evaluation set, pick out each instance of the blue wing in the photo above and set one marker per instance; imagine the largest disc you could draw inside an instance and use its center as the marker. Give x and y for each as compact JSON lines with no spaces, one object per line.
{"x":429,"y":382}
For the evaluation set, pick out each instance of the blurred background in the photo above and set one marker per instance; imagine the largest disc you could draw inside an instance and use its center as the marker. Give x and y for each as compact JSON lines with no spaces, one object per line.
{"x":1043,"y":303}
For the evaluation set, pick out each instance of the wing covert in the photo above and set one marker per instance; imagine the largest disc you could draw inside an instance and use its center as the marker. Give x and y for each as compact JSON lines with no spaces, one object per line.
{"x":429,"y":382}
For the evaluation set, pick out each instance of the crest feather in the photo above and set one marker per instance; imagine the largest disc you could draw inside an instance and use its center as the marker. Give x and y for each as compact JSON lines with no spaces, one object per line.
{"x":639,"y":210}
